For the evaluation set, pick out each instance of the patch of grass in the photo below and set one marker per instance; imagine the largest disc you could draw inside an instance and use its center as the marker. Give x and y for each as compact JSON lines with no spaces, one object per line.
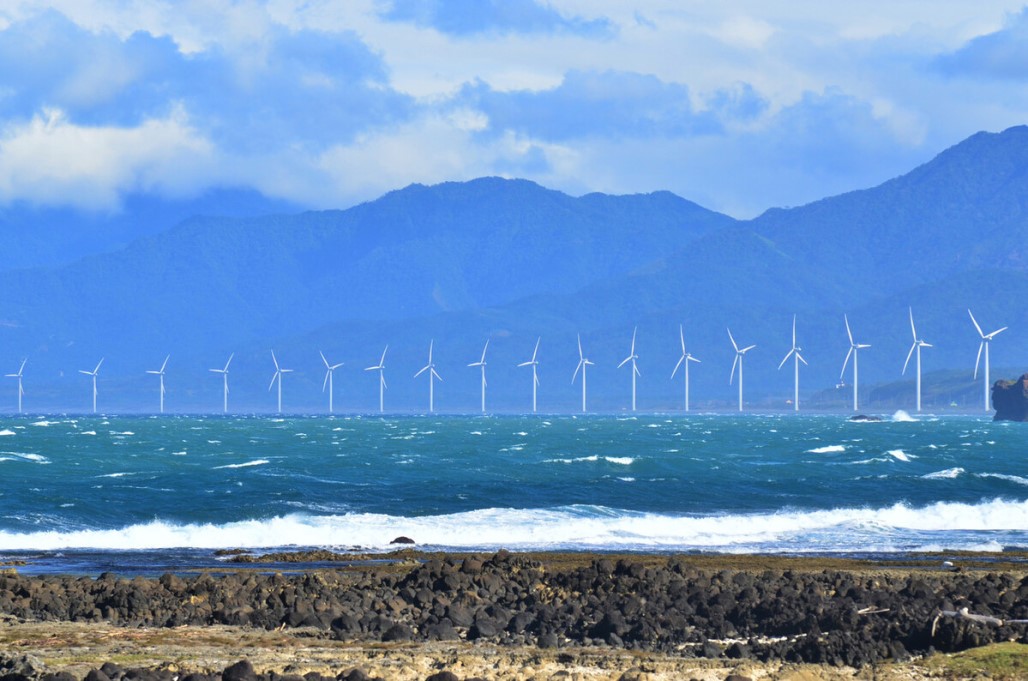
{"x":997,"y":661}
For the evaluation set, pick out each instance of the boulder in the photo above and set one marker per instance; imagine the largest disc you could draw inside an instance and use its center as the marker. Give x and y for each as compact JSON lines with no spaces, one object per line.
{"x":1010,"y":399}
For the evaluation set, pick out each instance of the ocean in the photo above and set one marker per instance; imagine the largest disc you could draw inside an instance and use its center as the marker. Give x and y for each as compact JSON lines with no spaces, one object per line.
{"x":87,"y":494}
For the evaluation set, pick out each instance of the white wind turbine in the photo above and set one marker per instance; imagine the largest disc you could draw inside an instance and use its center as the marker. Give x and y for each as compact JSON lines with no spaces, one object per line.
{"x":93,"y":374}
{"x":277,"y":376}
{"x":986,"y":340}
{"x":330,"y":369}
{"x":917,"y":345}
{"x":481,"y":363}
{"x":160,"y":373}
{"x":535,"y":376}
{"x":224,"y":380}
{"x":738,"y":362}
{"x":797,"y":358}
{"x":854,"y":349}
{"x":683,"y":362}
{"x":632,"y":357}
{"x":432,"y":375}
{"x":21,"y":390}
{"x":380,"y":368}
{"x":582,"y":364}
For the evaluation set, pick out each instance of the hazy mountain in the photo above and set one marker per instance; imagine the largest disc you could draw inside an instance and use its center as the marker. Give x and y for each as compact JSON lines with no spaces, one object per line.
{"x":511,"y":261}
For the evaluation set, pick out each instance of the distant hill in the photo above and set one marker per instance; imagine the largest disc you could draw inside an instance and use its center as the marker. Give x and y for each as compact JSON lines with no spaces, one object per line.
{"x":512,"y":261}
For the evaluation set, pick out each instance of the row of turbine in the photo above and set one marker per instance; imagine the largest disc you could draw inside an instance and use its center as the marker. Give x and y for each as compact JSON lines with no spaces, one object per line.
{"x":583,"y":363}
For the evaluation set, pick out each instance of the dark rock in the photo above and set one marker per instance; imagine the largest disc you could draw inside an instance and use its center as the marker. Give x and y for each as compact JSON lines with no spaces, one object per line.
{"x":59,"y":676}
{"x":1010,"y":399}
{"x":96,"y":675}
{"x":240,"y":671}
{"x":443,"y":676}
{"x":865,"y":418}
{"x":112,"y":670}
{"x":398,"y":632}
{"x":403,"y":540}
{"x":355,"y":674}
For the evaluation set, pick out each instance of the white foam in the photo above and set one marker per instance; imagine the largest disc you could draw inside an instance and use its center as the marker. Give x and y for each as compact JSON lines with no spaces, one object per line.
{"x":903,"y":417}
{"x":1003,"y":476}
{"x":898,"y":454}
{"x":947,"y":474}
{"x":42,"y":424}
{"x":257,"y":462}
{"x":620,"y":460}
{"x":36,"y":458}
{"x":114,"y":475}
{"x":574,"y":460}
{"x":852,"y":529}
{"x":122,"y":433}
{"x":829,"y":449}
{"x":88,"y":432}
{"x":5,"y":431}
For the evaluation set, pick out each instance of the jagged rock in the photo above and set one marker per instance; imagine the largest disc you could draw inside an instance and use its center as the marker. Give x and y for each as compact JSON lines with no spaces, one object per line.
{"x":1010,"y":399}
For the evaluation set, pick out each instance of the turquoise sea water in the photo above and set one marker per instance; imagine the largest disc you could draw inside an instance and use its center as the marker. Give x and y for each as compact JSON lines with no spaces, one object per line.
{"x":113,"y":486}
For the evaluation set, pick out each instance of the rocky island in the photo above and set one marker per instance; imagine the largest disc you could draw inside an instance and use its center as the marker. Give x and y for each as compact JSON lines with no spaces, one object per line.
{"x":1010,"y":399}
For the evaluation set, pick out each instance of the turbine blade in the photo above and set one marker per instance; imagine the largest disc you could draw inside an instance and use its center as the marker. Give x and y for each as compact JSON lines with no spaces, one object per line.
{"x":634,"y":331}
{"x":324,"y":384}
{"x":484,"y":350}
{"x":382,"y":378}
{"x":693,"y":359}
{"x":800,"y":357}
{"x":229,"y":361}
{"x":98,"y":364}
{"x":421,"y":371}
{"x":733,"y":340}
{"x":675,"y":371}
{"x":274,"y":359}
{"x":624,"y":361}
{"x":747,"y":349}
{"x":87,"y":373}
{"x":536,"y":351}
{"x":524,"y":364}
{"x":431,"y":343}
{"x":272,"y":384}
{"x":794,"y":331}
{"x":975,"y":322}
{"x":786,"y":358}
{"x":845,"y":362}
{"x":731,"y":379}
{"x":848,"y":332}
{"x":681,"y":337}
{"x":912,"y":329}
{"x":926,"y":345}
{"x":580,"y":355}
{"x":990,"y":336}
{"x":436,"y":374}
{"x":577,"y":369}
{"x":336,"y":366}
{"x":978,"y":358}
{"x":323,"y":359}
{"x":165,"y":363}
{"x":861,"y":346}
{"x":636,"y":369}
{"x":382,"y":361}
{"x":909,"y":354}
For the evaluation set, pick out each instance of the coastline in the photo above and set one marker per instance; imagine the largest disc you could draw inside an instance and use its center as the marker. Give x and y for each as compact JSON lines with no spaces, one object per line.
{"x":528,"y":615}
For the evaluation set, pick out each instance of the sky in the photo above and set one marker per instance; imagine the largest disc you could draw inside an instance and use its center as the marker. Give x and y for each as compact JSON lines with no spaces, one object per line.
{"x":739,"y":106}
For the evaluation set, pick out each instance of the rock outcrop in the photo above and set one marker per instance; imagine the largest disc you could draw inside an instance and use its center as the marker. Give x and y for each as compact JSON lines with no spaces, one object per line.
{"x":1010,"y":399}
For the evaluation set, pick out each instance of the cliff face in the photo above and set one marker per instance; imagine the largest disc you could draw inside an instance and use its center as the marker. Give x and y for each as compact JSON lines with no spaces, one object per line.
{"x":1010,"y":399}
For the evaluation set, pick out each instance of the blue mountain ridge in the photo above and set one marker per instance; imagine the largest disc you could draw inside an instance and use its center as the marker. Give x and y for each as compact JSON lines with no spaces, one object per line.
{"x":512,"y":261}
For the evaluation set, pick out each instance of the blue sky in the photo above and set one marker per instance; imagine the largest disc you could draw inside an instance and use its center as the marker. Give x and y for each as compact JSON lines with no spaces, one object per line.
{"x":739,"y":106}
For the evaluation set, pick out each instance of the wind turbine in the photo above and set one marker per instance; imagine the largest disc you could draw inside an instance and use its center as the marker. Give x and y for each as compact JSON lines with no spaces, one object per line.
{"x":481,"y":363}
{"x":380,"y":368}
{"x":432,"y":375}
{"x":224,"y":377}
{"x":582,"y":364}
{"x":854,"y":348}
{"x":277,"y":376}
{"x":329,"y":371}
{"x":683,"y":362}
{"x":738,"y":362}
{"x":535,"y":377}
{"x":918,"y":344}
{"x":160,"y":372}
{"x":21,"y":390}
{"x":635,"y":369}
{"x":986,"y":339}
{"x":93,"y":374}
{"x":797,"y":358}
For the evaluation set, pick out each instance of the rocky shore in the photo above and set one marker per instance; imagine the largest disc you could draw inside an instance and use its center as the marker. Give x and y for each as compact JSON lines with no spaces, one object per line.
{"x":672,"y":607}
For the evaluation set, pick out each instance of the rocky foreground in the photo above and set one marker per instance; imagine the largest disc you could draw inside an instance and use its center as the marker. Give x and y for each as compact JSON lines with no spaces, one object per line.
{"x":671,"y":607}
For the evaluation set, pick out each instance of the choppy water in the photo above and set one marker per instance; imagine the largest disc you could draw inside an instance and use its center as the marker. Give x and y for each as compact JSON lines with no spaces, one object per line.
{"x":713,"y":483}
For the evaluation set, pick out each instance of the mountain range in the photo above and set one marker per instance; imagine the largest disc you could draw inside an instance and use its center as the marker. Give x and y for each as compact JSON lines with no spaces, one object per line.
{"x":511,"y":261}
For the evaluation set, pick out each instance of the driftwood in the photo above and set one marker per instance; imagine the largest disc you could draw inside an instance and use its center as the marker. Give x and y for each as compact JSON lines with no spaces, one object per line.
{"x":963,"y":614}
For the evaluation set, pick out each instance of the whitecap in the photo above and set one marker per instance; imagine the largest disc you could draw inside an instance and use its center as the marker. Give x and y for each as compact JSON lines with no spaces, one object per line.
{"x":949,"y":473}
{"x":903,"y":417}
{"x":828,"y":449}
{"x":1003,"y":476}
{"x":88,"y":432}
{"x":114,"y":475}
{"x":256,"y":462}
{"x":42,"y":424}
{"x":620,"y":460}
{"x":898,"y":454}
{"x":5,"y":431}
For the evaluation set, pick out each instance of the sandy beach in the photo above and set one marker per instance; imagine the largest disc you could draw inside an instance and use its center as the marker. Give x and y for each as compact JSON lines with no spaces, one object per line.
{"x":522,"y":616}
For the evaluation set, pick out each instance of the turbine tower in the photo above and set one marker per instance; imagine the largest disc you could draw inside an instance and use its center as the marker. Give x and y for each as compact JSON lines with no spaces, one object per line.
{"x":986,"y":340}
{"x":738,"y":362}
{"x":224,"y":380}
{"x":582,"y":364}
{"x":535,"y":377}
{"x":380,"y":368}
{"x":632,"y":357}
{"x":481,"y":363}
{"x":21,"y":390}
{"x":683,"y":362}
{"x":432,"y":375}
{"x":918,"y":344}
{"x":329,"y":371}
{"x":854,"y":348}
{"x":797,"y":358}
{"x":277,"y":376}
{"x":93,"y":374}
{"x":160,"y":373}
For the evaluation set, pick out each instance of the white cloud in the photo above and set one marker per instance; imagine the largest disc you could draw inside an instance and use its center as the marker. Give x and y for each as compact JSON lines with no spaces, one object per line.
{"x":51,"y":160}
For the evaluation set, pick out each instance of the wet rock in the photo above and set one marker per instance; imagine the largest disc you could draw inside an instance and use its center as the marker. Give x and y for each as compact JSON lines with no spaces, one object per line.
{"x":240,"y":671}
{"x":403,"y":540}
